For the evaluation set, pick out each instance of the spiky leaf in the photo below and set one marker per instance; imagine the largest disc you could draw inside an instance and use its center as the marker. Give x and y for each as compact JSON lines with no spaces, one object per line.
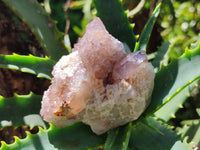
{"x":146,"y":32}
{"x":160,"y":59}
{"x":21,"y":110}
{"x":115,"y":21}
{"x":118,"y":138}
{"x":191,"y":129}
{"x":39,"y":141}
{"x":145,"y":138}
{"x":172,"y":79}
{"x":76,"y":137}
{"x":57,"y":13}
{"x":41,"y":25}
{"x":168,"y":110}
{"x":42,"y":67}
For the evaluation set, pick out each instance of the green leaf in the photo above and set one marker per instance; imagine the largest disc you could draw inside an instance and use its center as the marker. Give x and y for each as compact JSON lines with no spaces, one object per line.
{"x":41,"y":25}
{"x":115,"y":21}
{"x":39,"y":141}
{"x":198,"y":111}
{"x":146,"y":32}
{"x":145,"y":138}
{"x":191,"y":129}
{"x":168,"y":111}
{"x":76,"y":18}
{"x":118,"y":138}
{"x":58,"y":14}
{"x":76,"y":137}
{"x":172,"y":79}
{"x":21,"y":110}
{"x":169,"y":3}
{"x":79,"y":14}
{"x":42,"y":67}
{"x":159,"y":59}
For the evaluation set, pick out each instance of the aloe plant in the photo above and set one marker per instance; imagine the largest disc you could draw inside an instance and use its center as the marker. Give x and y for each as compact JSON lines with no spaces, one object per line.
{"x":150,"y":131}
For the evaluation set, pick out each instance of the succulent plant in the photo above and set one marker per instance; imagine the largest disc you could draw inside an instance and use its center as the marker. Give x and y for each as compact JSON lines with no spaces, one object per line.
{"x":172,"y":85}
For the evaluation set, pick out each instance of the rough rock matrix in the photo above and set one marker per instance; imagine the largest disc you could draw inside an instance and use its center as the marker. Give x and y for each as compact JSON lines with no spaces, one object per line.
{"x":98,"y":83}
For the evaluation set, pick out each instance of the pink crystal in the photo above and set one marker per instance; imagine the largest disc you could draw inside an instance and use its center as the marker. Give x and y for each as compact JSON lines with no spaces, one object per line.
{"x":98,"y":83}
{"x":98,"y":50}
{"x":127,"y":66}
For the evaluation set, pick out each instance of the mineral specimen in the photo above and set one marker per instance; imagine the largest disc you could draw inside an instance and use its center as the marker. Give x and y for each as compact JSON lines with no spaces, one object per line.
{"x":98,"y":83}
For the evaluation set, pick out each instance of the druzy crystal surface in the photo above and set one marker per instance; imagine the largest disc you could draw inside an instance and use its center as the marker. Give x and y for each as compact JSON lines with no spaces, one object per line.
{"x":98,"y":83}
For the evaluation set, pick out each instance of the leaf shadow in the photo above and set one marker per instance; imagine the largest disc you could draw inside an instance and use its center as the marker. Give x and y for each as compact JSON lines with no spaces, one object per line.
{"x":145,"y":138}
{"x":192,"y":133}
{"x":163,"y":84}
{"x":76,"y":136}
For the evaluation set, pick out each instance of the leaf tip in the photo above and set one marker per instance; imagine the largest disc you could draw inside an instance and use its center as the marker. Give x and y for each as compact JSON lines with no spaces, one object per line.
{"x":132,"y":25}
{"x":3,"y":144}
{"x":173,"y":116}
{"x":180,"y":106}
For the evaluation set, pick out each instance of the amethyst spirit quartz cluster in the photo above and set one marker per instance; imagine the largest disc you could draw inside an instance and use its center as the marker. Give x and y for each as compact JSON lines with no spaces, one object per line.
{"x":98,"y":83}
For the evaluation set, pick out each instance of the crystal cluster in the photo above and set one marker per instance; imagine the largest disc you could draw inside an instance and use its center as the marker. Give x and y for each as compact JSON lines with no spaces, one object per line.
{"x":98,"y":83}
